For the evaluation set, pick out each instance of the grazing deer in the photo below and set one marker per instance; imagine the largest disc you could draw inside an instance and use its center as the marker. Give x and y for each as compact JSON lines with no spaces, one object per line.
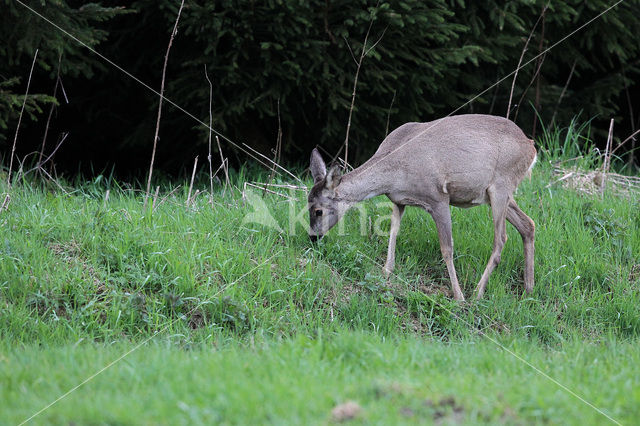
{"x":463,"y":160}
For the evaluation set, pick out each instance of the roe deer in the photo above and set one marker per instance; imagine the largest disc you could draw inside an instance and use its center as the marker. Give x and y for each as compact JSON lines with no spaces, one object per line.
{"x":463,"y":160}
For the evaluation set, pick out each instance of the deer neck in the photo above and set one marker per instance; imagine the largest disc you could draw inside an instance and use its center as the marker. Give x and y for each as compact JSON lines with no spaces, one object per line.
{"x":361,"y":184}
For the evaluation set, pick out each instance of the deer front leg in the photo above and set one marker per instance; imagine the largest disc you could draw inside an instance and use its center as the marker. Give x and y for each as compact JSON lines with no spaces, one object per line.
{"x":442,"y":217}
{"x":396,"y":217}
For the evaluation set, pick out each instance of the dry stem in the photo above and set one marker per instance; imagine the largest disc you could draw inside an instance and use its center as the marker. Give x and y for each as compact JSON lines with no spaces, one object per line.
{"x":533,"y":78}
{"x":15,"y":138}
{"x":633,"y":127}
{"x":46,"y":128}
{"x":272,"y":162}
{"x":607,"y":158}
{"x":155,"y":197}
{"x":225,"y":166}
{"x":364,"y":53}
{"x":564,"y":90}
{"x":210,"y":127}
{"x":276,"y":154}
{"x":386,"y":131}
{"x":193,"y":175}
{"x":541,"y":56}
{"x":524,"y":49}
{"x":631,"y":137}
{"x":164,"y":70}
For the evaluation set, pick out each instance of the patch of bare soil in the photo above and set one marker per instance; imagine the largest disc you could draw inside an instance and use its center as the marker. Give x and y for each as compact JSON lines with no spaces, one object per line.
{"x":634,"y":274}
{"x":346,"y":411}
{"x":196,"y":319}
{"x":447,"y":410}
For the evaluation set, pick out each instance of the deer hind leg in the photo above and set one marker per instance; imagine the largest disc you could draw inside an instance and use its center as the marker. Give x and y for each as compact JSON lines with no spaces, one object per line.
{"x":499,"y":204}
{"x":442,"y":217}
{"x":396,"y":217}
{"x":526,"y":227}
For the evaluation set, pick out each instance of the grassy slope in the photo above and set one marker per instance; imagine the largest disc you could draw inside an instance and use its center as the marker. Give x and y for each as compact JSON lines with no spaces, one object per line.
{"x":82,"y":280}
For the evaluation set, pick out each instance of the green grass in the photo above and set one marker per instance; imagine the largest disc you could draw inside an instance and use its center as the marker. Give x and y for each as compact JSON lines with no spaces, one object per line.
{"x":248,"y":324}
{"x":405,"y":379}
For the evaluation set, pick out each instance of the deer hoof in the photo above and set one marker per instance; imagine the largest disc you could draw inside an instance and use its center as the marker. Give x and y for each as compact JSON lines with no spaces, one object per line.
{"x":387,"y":272}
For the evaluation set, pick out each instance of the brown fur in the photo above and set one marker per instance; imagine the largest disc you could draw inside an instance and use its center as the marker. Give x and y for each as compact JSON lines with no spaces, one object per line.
{"x":464,"y":160}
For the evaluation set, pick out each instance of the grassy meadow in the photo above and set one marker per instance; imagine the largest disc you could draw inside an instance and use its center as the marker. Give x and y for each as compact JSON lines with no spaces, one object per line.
{"x":225,"y":320}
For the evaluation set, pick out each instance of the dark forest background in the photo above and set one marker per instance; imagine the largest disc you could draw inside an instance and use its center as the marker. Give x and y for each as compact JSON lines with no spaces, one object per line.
{"x":432,"y":57}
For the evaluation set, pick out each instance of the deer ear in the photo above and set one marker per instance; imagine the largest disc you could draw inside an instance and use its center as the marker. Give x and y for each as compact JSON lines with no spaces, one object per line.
{"x":318,"y":168}
{"x":333,"y":178}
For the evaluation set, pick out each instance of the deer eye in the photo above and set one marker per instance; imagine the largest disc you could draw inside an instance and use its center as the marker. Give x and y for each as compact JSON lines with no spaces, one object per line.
{"x":318,"y":213}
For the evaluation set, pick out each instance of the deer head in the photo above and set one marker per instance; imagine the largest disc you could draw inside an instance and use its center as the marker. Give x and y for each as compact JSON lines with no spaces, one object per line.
{"x":325,"y":206}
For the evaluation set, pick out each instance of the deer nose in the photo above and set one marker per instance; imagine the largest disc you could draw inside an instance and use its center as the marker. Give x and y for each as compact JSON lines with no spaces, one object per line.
{"x":313,"y":238}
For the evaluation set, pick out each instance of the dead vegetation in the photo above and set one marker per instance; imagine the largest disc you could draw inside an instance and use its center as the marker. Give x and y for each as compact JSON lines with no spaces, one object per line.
{"x":594,"y":182}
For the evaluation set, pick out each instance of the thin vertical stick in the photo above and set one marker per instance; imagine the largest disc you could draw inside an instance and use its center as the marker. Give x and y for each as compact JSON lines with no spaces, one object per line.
{"x":524,"y":92}
{"x":210,"y":132}
{"x":355,"y":82}
{"x":193,"y":174}
{"x":224,"y":166}
{"x":386,"y":130}
{"x":364,"y":53}
{"x":524,"y":49}
{"x":564,"y":90}
{"x":155,"y":198}
{"x":493,"y":98}
{"x":607,"y":158}
{"x":155,"y":137}
{"x":15,"y":138}
{"x":46,"y":128}
{"x":633,"y":127}
{"x":540,"y":60}
{"x":276,"y":155}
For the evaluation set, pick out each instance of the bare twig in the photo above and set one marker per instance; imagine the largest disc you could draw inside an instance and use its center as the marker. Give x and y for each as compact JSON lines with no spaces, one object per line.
{"x":607,"y":158}
{"x":364,"y":53}
{"x":564,"y":90}
{"x":541,"y":57}
{"x":633,"y":127}
{"x":386,"y":130}
{"x":155,"y":197}
{"x":272,"y":162}
{"x":276,"y":154}
{"x":164,"y":70}
{"x":210,"y":133}
{"x":163,"y":199}
{"x":5,"y":203}
{"x":533,"y":78}
{"x":24,"y":102}
{"x":285,"y":186}
{"x":631,"y":137}
{"x":524,"y":49}
{"x":46,"y":128}
{"x":495,"y":95}
{"x":40,"y":164}
{"x":54,"y":180}
{"x":264,"y":189}
{"x":224,"y":163}
{"x":193,"y":175}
